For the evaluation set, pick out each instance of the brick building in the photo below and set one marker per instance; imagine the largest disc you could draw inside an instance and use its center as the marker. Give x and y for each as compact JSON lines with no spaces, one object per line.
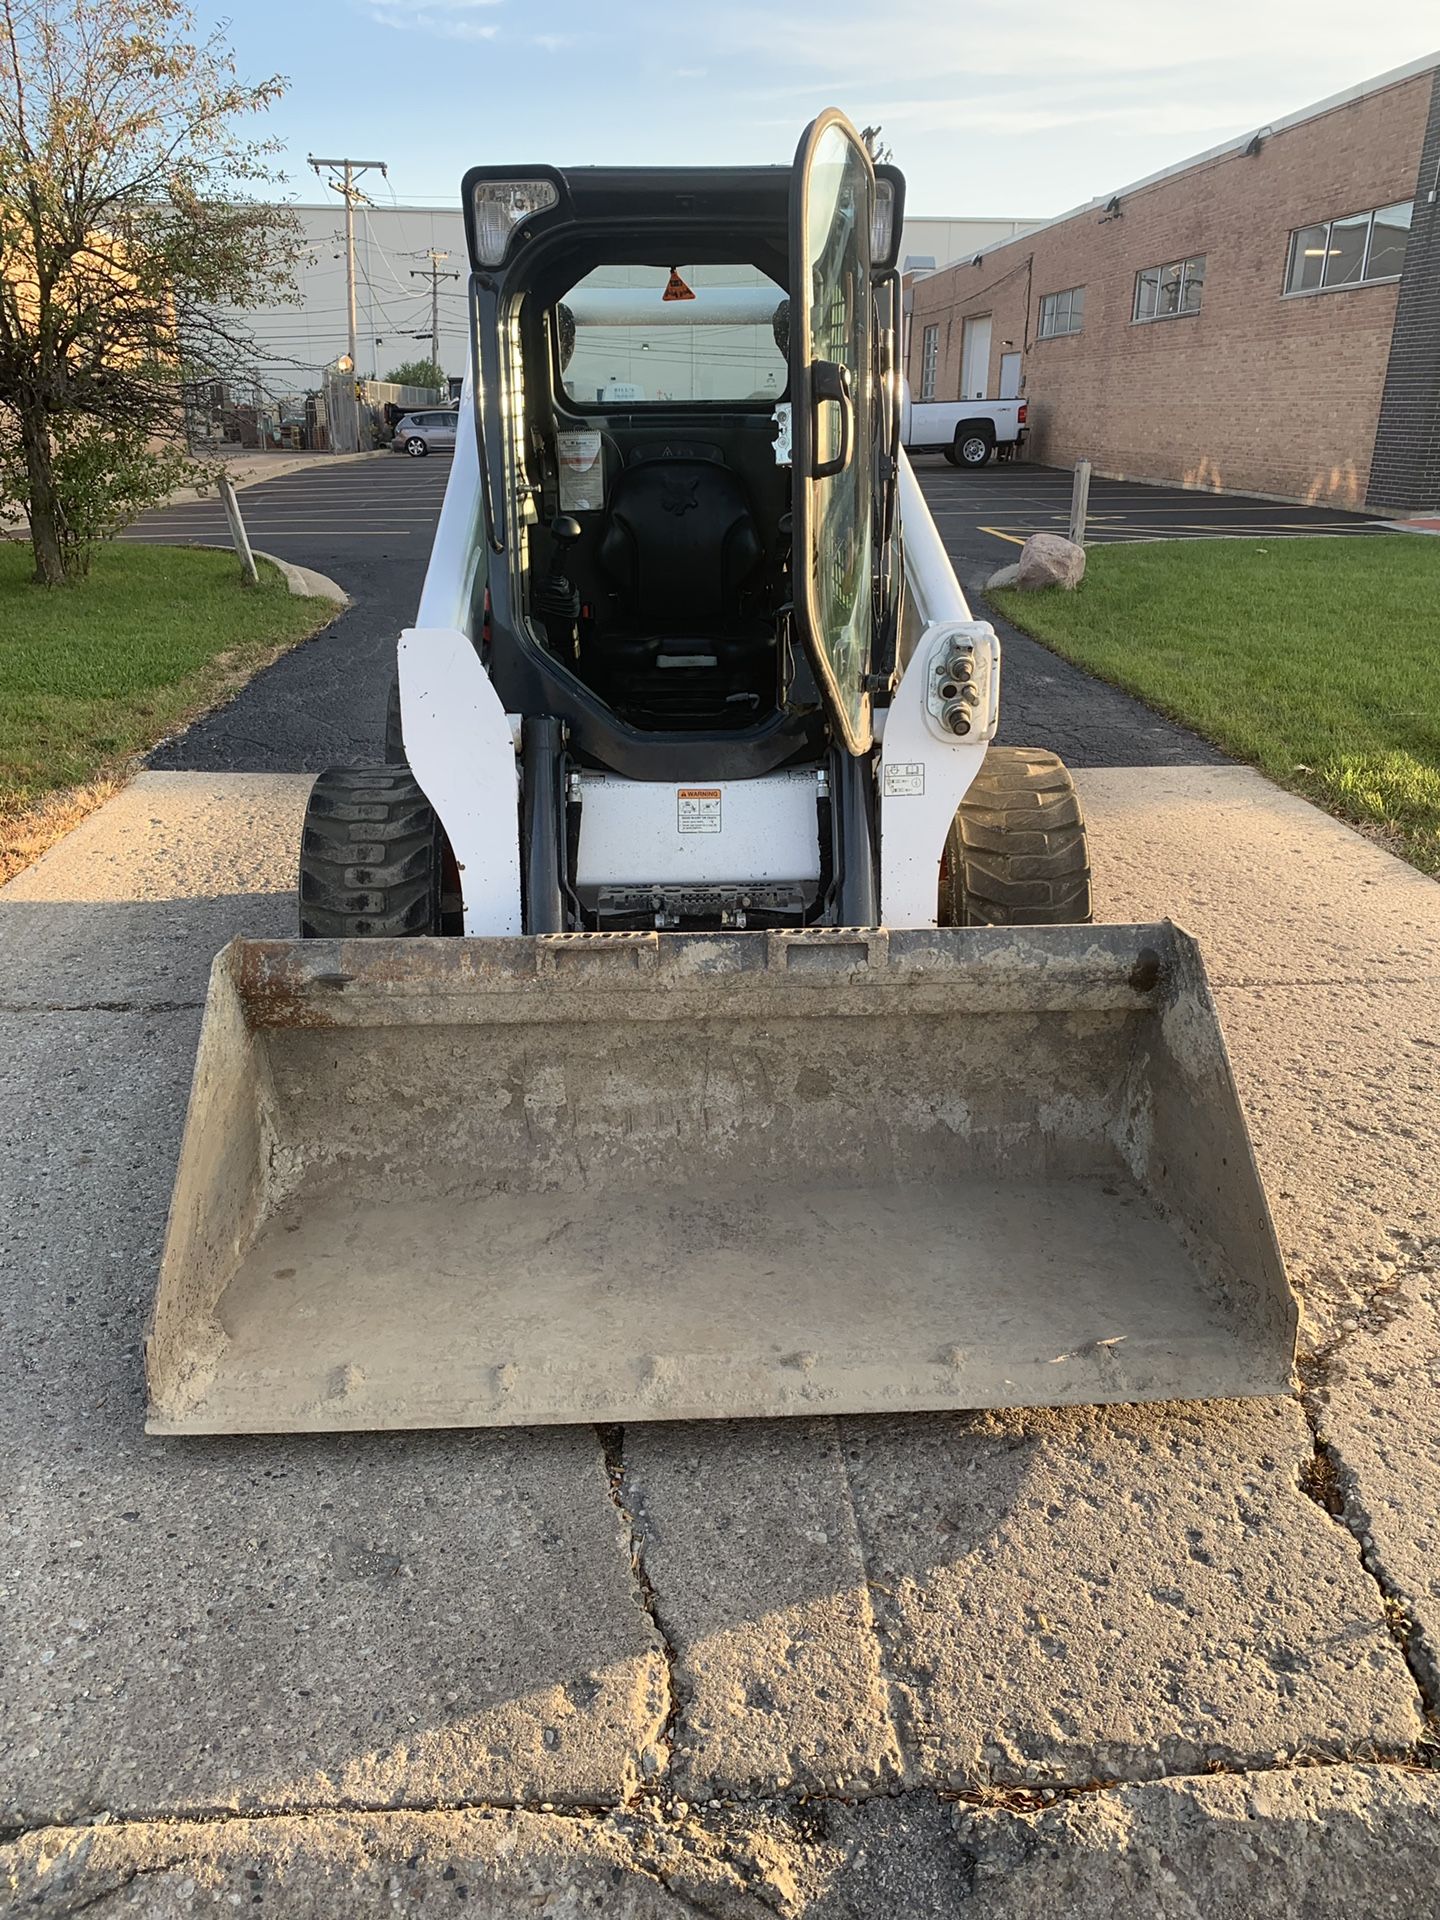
{"x":1263,"y":318}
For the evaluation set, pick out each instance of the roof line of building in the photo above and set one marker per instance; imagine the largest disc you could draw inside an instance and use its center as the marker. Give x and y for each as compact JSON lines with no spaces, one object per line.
{"x":1394,"y":78}
{"x":422,"y":206}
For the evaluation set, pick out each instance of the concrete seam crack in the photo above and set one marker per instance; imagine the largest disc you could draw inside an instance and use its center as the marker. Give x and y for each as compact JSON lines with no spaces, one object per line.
{"x":1332,"y":1485}
{"x":872,"y":1623}
{"x":1019,"y":1797}
{"x":612,"y":1447}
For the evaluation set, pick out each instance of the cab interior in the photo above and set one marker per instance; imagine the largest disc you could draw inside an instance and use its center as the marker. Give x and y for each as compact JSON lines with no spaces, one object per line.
{"x":654,"y":542}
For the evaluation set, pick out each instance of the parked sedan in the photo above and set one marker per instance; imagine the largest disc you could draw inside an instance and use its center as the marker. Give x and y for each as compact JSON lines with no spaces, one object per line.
{"x":432,"y":430}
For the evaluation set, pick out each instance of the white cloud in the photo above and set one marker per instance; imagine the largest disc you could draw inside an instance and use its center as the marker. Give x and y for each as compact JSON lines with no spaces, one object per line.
{"x":444,"y":19}
{"x":1054,"y":41}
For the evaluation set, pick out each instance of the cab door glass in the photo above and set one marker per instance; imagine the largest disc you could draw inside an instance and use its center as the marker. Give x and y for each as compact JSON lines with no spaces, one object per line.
{"x":836,"y":291}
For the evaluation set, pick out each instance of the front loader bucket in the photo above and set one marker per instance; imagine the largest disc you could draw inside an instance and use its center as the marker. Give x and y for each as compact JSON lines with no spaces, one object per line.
{"x":430,"y":1183}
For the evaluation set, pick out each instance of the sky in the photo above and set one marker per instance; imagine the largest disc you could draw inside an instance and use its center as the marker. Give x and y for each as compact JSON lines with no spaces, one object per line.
{"x":1019,"y":109}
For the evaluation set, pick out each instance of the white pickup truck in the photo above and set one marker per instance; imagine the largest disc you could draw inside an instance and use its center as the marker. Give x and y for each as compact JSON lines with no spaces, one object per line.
{"x":967,"y":432}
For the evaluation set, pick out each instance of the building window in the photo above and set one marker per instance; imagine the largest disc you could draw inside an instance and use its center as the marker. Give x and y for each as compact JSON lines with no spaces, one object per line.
{"x":1350,"y":251}
{"x":1062,"y":312}
{"x":929,"y":361}
{"x":1163,"y":293}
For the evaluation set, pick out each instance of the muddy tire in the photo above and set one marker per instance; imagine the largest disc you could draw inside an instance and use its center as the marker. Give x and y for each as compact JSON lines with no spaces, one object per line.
{"x":371,"y":857}
{"x":1016,"y":855}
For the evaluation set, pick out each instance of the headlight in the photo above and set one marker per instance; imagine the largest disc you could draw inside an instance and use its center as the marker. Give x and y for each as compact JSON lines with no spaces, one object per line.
{"x":503,"y":205}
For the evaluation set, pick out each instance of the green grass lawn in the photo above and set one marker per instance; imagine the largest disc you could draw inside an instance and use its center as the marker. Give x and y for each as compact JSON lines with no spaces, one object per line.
{"x":1317,"y":660}
{"x":96,"y":672}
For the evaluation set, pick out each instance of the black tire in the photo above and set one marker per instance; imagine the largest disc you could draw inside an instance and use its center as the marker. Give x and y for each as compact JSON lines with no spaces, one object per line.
{"x":416,"y":447}
{"x":371,"y":857}
{"x":971,"y":447}
{"x":1016,"y":855}
{"x":394,"y":738}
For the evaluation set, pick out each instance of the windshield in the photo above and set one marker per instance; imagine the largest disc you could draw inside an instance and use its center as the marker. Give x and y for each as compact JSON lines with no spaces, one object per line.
{"x":638,"y":336}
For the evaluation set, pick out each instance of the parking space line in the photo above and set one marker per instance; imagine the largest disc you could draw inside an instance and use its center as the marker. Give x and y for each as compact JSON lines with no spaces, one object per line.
{"x":175,"y":536}
{"x":1017,"y":540}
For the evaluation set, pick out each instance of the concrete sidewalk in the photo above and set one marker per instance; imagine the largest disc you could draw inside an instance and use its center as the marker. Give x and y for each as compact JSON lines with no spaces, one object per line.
{"x":829,"y":1667}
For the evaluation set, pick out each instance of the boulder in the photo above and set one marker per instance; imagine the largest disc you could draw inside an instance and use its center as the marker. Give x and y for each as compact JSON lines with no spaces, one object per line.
{"x":1004,"y":576}
{"x":1050,"y":560}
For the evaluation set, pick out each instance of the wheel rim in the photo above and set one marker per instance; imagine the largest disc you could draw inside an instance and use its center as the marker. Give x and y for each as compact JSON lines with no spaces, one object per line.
{"x":415,"y":448}
{"x":974,"y":450}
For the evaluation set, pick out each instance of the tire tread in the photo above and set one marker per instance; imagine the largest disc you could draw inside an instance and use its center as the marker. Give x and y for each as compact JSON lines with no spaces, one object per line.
{"x":370,"y":857}
{"x":1017,"y":853}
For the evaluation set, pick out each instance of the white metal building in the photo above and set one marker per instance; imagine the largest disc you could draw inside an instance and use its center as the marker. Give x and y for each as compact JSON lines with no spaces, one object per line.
{"x":393,"y":245}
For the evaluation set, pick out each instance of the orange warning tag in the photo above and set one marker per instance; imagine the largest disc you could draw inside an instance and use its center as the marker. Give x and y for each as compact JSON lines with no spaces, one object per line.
{"x":676,"y":288}
{"x":697,"y":809}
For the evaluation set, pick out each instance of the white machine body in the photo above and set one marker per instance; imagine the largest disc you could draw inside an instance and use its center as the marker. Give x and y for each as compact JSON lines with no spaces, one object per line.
{"x":655,"y":836}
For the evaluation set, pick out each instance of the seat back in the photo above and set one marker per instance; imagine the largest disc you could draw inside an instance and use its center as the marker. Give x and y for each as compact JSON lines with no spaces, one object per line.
{"x":680,"y":541}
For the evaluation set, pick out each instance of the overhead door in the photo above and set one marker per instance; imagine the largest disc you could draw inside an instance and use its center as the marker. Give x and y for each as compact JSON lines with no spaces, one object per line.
{"x":975,"y":358}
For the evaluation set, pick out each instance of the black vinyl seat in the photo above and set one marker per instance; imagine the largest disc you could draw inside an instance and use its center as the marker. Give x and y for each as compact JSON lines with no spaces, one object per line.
{"x":681,"y":549}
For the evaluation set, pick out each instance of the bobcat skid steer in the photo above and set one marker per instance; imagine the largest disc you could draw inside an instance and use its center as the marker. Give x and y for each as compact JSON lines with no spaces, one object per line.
{"x":698,"y":1015}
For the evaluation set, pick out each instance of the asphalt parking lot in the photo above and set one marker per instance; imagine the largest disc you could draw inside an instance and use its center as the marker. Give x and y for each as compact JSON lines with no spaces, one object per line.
{"x":368,"y":524}
{"x":986,"y":516}
{"x":303,"y":515}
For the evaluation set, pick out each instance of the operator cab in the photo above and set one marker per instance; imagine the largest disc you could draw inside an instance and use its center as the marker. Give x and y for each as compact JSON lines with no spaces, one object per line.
{"x":657,"y":562}
{"x":635,"y":397}
{"x":671,"y":600}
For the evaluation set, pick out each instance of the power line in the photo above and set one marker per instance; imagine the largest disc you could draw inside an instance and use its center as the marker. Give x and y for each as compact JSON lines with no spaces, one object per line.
{"x":433,"y":274}
{"x":349,"y":171}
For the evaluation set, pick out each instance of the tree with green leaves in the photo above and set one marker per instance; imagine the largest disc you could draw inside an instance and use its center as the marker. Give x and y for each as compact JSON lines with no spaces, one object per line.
{"x":419,"y":373}
{"x":129,"y":237}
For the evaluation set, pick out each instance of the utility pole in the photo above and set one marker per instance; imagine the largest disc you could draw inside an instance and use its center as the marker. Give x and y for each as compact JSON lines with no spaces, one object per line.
{"x":433,"y":274}
{"x":349,"y":171}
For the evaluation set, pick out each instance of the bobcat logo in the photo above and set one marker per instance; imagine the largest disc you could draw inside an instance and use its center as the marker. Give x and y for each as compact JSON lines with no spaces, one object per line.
{"x":678,"y":495}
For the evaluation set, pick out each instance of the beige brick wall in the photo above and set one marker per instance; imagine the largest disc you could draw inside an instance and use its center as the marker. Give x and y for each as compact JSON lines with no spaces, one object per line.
{"x":1255,"y":392}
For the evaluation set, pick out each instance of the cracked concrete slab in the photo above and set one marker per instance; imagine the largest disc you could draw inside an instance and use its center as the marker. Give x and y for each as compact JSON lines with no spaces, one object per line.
{"x":379,"y":1620}
{"x":1341,"y":1088}
{"x":494,"y":1568}
{"x":133,"y":905}
{"x":1118,"y":1592}
{"x":1274,"y":889}
{"x":1331,"y":1843}
{"x":1340,"y":1078}
{"x":1384,"y":1424}
{"x":748,"y":1538}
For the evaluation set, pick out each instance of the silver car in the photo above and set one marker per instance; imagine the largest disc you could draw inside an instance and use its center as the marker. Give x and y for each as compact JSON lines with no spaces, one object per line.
{"x":429,"y":430}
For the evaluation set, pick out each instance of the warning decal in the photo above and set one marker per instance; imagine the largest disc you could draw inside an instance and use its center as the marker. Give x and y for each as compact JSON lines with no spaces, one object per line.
{"x":904,"y":777}
{"x":675,"y":287}
{"x":697,"y":809}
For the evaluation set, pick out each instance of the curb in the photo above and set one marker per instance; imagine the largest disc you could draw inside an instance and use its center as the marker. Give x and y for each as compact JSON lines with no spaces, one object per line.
{"x":304,"y":582}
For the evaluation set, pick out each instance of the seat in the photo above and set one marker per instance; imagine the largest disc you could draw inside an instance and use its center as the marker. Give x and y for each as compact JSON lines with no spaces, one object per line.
{"x":680,"y":546}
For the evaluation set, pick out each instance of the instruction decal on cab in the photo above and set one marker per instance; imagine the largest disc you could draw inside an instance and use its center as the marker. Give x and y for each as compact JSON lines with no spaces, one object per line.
{"x":697,"y":809}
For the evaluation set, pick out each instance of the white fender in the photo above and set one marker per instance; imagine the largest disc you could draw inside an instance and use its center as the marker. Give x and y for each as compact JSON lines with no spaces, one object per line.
{"x":925,"y":770}
{"x":925,"y":767}
{"x":461,"y":749}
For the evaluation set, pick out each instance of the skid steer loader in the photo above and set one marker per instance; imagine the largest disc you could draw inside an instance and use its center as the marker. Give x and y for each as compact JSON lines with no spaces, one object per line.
{"x":697,"y":1014}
